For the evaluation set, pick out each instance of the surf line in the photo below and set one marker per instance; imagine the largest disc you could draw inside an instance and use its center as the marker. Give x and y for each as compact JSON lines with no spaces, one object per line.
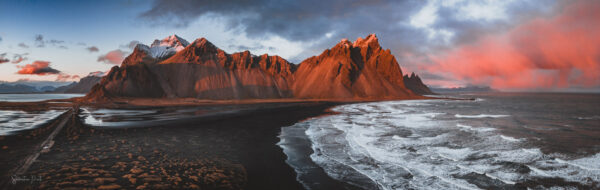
{"x":47,"y":144}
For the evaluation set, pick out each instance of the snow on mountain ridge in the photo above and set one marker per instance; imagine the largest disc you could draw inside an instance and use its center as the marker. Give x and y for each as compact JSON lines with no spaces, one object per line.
{"x":172,"y":41}
{"x":165,"y":48}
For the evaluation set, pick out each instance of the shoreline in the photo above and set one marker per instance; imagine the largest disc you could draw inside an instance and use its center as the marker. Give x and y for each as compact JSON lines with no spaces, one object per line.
{"x":236,"y":150}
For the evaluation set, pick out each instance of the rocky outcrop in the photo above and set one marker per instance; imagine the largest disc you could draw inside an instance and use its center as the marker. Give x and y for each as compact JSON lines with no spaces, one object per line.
{"x":351,"y":70}
{"x":414,"y":83}
{"x":201,"y":70}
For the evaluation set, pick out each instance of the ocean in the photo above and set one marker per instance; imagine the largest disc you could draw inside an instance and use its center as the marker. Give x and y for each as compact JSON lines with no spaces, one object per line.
{"x":12,"y":121}
{"x":497,"y":141}
{"x":35,"y":97}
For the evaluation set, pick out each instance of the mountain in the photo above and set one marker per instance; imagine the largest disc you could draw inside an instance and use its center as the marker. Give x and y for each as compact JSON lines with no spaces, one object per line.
{"x":17,"y":88}
{"x":469,"y":89}
{"x":351,"y":70}
{"x":27,"y":86}
{"x":414,"y":83}
{"x":201,"y":70}
{"x":64,"y":88}
{"x":84,"y":85}
{"x":165,"y":48}
{"x":39,"y":84}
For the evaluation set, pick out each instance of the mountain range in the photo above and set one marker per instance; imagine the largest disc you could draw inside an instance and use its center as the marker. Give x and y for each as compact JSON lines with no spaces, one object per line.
{"x":174,"y":68}
{"x":30,"y":86}
{"x":83,"y":86}
{"x":469,"y":89}
{"x":24,"y":86}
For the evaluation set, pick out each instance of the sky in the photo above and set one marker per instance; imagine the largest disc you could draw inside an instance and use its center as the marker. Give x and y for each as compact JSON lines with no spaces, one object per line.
{"x":525,"y":45}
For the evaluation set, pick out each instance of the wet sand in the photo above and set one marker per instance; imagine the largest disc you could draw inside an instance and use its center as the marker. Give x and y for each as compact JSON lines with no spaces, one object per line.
{"x":233,"y":150}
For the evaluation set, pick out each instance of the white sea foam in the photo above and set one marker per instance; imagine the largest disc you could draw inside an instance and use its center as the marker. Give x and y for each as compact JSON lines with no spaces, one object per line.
{"x":510,"y":138}
{"x":595,"y":117}
{"x":480,"y":116}
{"x":416,"y":149}
{"x":13,"y":121}
{"x":480,"y":129}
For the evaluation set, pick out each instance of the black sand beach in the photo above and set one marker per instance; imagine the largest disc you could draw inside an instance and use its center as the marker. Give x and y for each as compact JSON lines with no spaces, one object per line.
{"x":233,"y":150}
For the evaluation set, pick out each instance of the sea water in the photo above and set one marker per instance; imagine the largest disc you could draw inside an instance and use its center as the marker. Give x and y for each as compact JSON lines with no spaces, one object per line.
{"x":497,"y":141}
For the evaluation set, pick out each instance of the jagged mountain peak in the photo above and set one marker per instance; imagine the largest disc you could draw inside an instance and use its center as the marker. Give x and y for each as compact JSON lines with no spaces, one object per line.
{"x":172,"y":41}
{"x":370,"y":41}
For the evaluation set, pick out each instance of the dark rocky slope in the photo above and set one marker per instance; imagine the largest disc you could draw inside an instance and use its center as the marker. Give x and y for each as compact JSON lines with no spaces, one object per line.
{"x":414,"y":83}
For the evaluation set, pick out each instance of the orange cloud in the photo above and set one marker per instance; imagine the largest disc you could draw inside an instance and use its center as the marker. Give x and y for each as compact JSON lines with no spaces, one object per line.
{"x":560,"y":51}
{"x":37,"y":68}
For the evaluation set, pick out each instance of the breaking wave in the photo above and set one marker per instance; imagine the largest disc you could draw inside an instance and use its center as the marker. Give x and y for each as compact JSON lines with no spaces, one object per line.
{"x":400,"y":145}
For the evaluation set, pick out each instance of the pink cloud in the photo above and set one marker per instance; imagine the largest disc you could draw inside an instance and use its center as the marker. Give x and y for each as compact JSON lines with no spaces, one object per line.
{"x":555,"y":52}
{"x":112,"y":57}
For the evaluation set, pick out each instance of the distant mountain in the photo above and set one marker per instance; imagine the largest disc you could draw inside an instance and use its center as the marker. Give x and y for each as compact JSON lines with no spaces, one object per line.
{"x":17,"y":88}
{"x":173,"y":68}
{"x":83,"y":86}
{"x":414,"y":83}
{"x":40,"y":84}
{"x":23,"y":86}
{"x":464,"y":89}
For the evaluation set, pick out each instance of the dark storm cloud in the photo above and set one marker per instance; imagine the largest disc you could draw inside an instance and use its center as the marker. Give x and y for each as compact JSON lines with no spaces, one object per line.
{"x":294,"y":20}
{"x":314,"y":19}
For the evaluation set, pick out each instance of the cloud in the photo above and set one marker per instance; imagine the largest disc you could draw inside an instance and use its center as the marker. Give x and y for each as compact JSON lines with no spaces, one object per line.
{"x":56,"y":42}
{"x":23,"y":45}
{"x":39,"y":41}
{"x":561,"y":51}
{"x":131,"y":45}
{"x":112,"y":57}
{"x":66,"y":77}
{"x":37,"y":68}
{"x":18,"y":58}
{"x":3,"y":59}
{"x":92,"y":49}
{"x":98,"y":73}
{"x":313,"y":19}
{"x":0,"y":39}
{"x":251,"y":48}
